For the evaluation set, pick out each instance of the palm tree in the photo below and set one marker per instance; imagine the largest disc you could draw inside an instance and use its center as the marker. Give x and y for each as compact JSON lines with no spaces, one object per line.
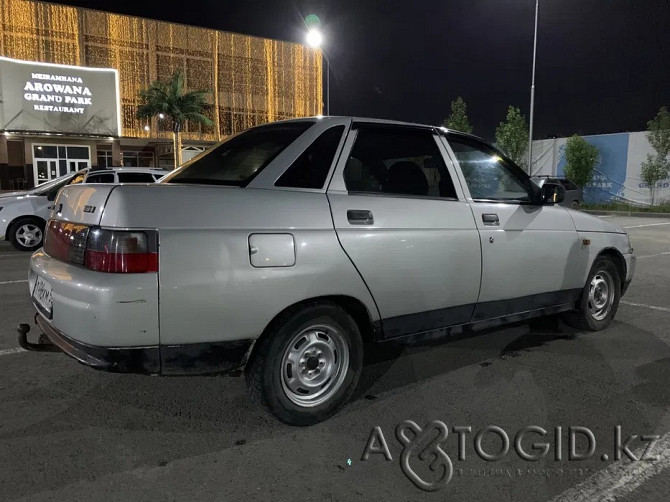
{"x":168,"y":100}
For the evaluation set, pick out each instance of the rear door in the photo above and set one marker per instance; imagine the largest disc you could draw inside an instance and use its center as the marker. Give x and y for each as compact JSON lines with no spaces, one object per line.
{"x":532,"y":257}
{"x":406,"y":227}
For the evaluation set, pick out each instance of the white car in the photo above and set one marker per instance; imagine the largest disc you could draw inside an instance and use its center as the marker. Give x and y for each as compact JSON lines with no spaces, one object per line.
{"x":124,"y":175}
{"x":287,"y":246}
{"x":23,"y":215}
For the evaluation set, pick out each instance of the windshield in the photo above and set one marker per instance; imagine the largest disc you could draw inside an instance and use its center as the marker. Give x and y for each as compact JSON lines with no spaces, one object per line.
{"x":239,"y":159}
{"x":49,"y":186}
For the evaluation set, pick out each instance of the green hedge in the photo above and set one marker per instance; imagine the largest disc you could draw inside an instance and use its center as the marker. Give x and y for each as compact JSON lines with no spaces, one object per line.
{"x":622,"y":206}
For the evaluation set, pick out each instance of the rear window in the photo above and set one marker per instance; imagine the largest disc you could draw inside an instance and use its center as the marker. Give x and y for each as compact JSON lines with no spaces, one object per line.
{"x":569,"y":185}
{"x":311,"y":168}
{"x":100,"y":178}
{"x":238,"y":160}
{"x":136,"y":178}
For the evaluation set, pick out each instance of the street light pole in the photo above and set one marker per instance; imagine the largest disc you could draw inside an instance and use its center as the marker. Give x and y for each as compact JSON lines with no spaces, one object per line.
{"x":532,"y":94}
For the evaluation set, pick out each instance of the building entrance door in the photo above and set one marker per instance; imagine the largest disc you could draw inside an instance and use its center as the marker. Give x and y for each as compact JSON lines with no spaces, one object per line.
{"x":52,"y":161}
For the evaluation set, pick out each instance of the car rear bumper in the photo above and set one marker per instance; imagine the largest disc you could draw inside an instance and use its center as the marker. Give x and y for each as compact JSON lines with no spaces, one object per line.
{"x":115,"y":359}
{"x":196,"y":358}
{"x":99,"y":309}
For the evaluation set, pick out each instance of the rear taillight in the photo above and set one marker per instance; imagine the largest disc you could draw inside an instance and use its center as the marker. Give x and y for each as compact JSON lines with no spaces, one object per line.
{"x":121,"y":251}
{"x":66,"y":241}
{"x":102,"y":250}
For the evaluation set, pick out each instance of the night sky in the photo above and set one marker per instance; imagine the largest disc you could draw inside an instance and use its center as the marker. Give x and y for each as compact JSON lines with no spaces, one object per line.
{"x":603,"y":65}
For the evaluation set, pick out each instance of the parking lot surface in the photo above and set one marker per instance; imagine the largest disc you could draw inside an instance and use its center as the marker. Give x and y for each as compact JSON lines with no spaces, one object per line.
{"x":68,"y":432}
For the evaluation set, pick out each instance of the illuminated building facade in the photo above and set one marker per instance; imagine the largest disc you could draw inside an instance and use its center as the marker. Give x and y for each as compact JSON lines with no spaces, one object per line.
{"x":253,"y":81}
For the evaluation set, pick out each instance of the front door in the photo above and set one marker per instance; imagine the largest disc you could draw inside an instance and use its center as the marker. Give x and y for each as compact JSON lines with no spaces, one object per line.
{"x":53,"y":161}
{"x":45,"y":170}
{"x":406,"y":227}
{"x":532,"y":257}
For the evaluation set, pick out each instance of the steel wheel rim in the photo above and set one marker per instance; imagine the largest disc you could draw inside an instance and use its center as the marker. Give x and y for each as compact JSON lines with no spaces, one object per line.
{"x":314,"y":365}
{"x":29,"y":235}
{"x":601,"y":295}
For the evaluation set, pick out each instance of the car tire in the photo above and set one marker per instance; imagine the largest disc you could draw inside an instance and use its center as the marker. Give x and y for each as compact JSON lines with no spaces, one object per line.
{"x":574,"y":204}
{"x":27,"y":234}
{"x":599,"y":300}
{"x":308,"y":365}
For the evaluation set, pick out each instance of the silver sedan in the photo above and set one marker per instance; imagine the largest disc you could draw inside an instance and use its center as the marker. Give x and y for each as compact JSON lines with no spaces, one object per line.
{"x":286,"y":247}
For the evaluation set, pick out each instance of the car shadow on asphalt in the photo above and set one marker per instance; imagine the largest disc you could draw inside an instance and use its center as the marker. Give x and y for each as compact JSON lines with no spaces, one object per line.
{"x":478,"y":347}
{"x":146,"y":421}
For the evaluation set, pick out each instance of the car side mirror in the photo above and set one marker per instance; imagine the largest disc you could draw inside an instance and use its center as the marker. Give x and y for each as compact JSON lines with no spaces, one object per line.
{"x":51,"y":196}
{"x":552,"y":193}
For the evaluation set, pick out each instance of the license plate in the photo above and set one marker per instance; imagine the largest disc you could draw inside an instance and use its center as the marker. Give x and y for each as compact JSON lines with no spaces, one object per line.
{"x":42,"y":295}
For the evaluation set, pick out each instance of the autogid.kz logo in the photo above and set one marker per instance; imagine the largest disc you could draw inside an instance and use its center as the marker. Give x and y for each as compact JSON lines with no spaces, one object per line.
{"x":425,"y":462}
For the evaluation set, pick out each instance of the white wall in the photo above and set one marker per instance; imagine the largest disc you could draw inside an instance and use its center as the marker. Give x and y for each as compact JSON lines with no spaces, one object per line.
{"x":607,"y":184}
{"x":636,"y":189}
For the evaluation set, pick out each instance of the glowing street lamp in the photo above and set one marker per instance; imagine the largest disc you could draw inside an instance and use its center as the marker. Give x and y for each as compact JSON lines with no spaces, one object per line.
{"x":314,"y":38}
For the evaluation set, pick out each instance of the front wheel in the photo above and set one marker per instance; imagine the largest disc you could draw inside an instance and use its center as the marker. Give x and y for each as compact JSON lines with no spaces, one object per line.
{"x":27,"y":234}
{"x":308,"y":366}
{"x":599,"y":300}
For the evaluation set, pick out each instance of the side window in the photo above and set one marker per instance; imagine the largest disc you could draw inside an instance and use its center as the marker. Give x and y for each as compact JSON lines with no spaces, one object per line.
{"x":135,"y":178}
{"x":488,"y":175}
{"x":568,"y":185}
{"x":310,"y":170}
{"x":100,"y":178}
{"x":399,"y":161}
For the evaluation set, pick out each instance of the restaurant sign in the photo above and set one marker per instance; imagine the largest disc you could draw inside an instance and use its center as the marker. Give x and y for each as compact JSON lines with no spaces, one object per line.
{"x":44,"y":97}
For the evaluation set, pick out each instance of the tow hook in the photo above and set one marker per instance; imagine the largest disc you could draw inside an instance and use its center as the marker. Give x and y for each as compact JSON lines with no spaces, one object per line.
{"x":43,"y":343}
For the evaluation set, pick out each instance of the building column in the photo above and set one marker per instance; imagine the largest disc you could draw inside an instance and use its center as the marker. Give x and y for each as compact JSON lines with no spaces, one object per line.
{"x":117,"y":158}
{"x":29,"y":170}
{"x":4,"y":158}
{"x":4,"y":162}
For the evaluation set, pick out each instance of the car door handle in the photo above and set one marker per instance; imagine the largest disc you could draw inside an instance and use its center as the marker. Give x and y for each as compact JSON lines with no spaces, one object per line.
{"x":490,"y":219}
{"x":360,"y":217}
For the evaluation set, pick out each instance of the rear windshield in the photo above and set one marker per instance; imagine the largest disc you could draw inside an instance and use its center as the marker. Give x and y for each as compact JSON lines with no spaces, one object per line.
{"x":239,"y":159}
{"x":53,"y":185}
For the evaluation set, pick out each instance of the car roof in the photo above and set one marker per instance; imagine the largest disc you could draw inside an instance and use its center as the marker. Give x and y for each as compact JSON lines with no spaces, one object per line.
{"x":368,"y":120}
{"x":139,"y":169}
{"x":549,"y":176}
{"x":130,"y":170}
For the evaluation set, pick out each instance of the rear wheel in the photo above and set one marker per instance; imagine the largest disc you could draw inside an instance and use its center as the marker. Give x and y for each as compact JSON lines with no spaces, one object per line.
{"x":309,"y":365}
{"x":574,"y":204}
{"x":599,"y":300}
{"x":27,"y":234}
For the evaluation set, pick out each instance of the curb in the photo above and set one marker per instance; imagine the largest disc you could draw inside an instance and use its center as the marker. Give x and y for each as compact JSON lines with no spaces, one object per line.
{"x":626,"y":213}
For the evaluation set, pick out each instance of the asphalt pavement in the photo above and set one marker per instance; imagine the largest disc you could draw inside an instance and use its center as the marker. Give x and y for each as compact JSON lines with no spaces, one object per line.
{"x":68,"y":432}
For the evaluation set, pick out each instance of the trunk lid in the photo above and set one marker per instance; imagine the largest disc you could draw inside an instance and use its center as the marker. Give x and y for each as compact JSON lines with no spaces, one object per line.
{"x":81,"y":203}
